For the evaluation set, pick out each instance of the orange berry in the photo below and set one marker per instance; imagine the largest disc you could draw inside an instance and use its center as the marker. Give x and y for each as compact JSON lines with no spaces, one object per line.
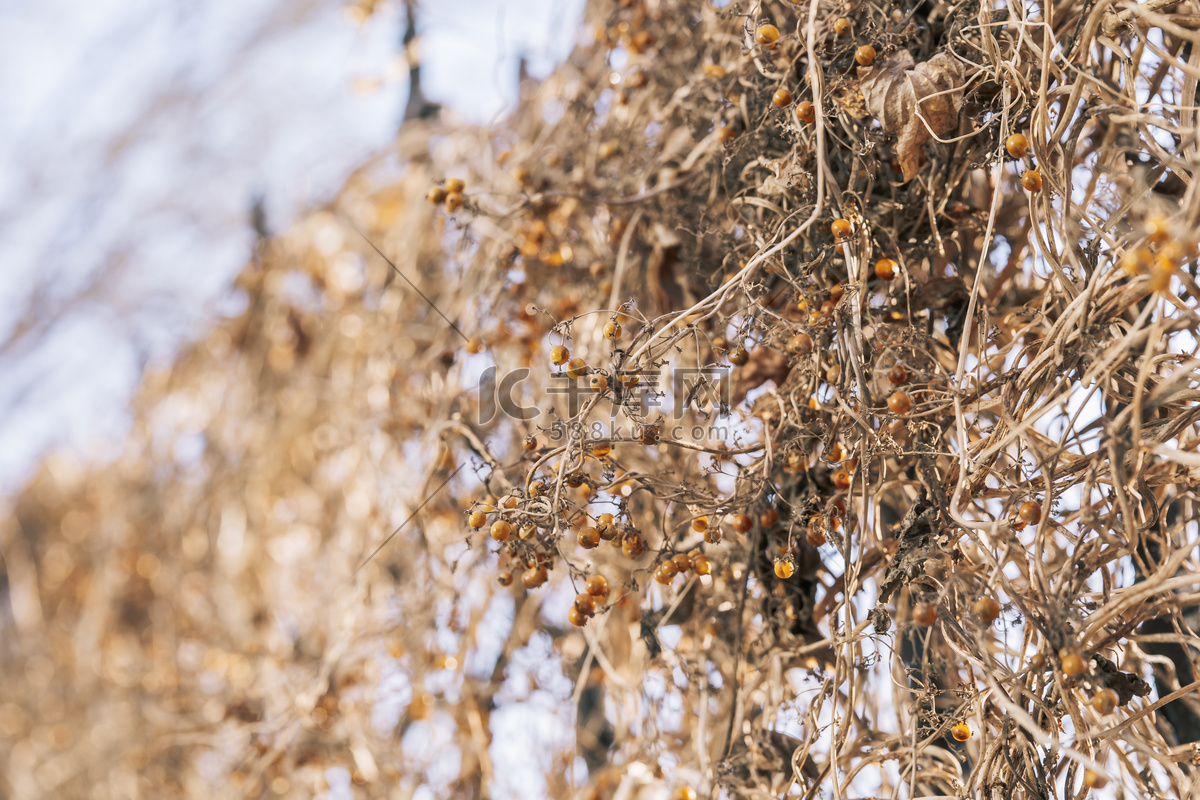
{"x":840,"y":228}
{"x":453,"y":203}
{"x":455,"y":185}
{"x":436,"y":195}
{"x":836,"y":452}
{"x":1094,"y":780}
{"x":816,"y":532}
{"x":682,"y":562}
{"x":726,"y":133}
{"x":742,"y":523}
{"x":504,"y":579}
{"x":924,"y":613}
{"x":534,"y":577}
{"x":597,"y":586}
{"x":1032,"y":180}
{"x":1030,"y":513}
{"x":767,"y":36}
{"x":899,"y":403}
{"x":806,"y":112}
{"x":665,"y":573}
{"x":865,"y":55}
{"x":588,"y":538}
{"x":885,"y":269}
{"x":701,"y":565}
{"x":1017,"y":145}
{"x":700,"y":524}
{"x":961,"y":732}
{"x":841,"y":479}
{"x":632,"y":544}
{"x":785,"y":568}
{"x":987,"y":609}
{"x":1105,"y":701}
{"x":739,"y":357}
{"x":841,"y":26}
{"x":1156,"y":229}
{"x":612,"y":331}
{"x":599,"y":383}
{"x":530,"y":443}
{"x":898,"y":374}
{"x":801,"y":344}
{"x":585,"y":603}
{"x":768,"y":518}
{"x":1072,"y":663}
{"x":713,"y":536}
{"x":1161,"y":273}
{"x":477,"y":519}
{"x":577,"y":617}
{"x":684,"y":793}
{"x":501,"y":530}
{"x":782,"y":98}
{"x":559,"y":355}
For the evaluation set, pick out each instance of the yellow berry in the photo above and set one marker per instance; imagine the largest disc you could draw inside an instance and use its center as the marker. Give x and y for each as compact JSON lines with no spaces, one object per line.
{"x":501,"y":530}
{"x":612,"y":331}
{"x":961,"y":732}
{"x":576,"y":368}
{"x":1156,"y":229}
{"x":767,"y":35}
{"x":477,"y":519}
{"x":1072,"y":663}
{"x":559,"y":355}
{"x":784,"y":568}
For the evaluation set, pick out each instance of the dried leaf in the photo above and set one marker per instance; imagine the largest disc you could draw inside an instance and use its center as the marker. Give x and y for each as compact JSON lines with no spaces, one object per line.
{"x":894,"y":88}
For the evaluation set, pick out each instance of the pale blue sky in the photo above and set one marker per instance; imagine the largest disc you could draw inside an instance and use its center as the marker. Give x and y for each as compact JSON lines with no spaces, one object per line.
{"x":134,"y":136}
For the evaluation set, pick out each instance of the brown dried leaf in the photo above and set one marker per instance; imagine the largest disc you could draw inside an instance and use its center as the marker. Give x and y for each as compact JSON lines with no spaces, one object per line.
{"x":893,"y":89}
